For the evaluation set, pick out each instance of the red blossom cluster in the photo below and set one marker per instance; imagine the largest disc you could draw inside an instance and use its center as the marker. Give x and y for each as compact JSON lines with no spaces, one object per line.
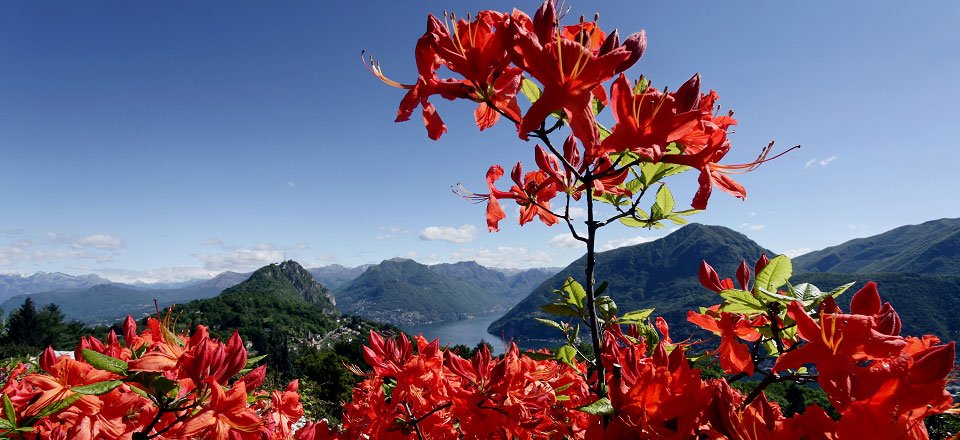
{"x":153,"y":385}
{"x":420,"y":390}
{"x":881,"y":383}
{"x":494,"y":54}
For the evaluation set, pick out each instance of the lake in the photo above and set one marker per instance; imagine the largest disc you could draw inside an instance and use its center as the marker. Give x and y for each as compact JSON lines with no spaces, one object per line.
{"x":468,"y":332}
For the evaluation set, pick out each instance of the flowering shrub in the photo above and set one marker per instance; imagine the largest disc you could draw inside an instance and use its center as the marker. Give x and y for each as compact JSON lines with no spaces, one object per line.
{"x":638,"y":383}
{"x":154,"y":385}
{"x":881,"y":384}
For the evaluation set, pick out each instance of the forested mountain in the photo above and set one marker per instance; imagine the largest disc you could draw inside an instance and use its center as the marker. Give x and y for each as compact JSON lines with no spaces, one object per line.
{"x":931,"y":248}
{"x":661,"y":274}
{"x":402,"y":291}
{"x":509,"y":287}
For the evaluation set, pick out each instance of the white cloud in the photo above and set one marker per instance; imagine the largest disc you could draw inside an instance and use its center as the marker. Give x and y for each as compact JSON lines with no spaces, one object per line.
{"x":753,"y":213}
{"x":796,"y":252}
{"x":56,"y":246}
{"x":508,"y":257}
{"x":630,"y":241}
{"x":291,"y":184}
{"x":463,"y":234}
{"x":577,"y":212}
{"x":822,"y":163}
{"x":752,"y":227}
{"x":565,"y":241}
{"x":99,"y":241}
{"x":391,"y":232}
{"x":242,"y":259}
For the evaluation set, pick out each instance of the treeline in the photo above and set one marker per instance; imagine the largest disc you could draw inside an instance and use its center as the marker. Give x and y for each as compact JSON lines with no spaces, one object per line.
{"x":28,"y":330}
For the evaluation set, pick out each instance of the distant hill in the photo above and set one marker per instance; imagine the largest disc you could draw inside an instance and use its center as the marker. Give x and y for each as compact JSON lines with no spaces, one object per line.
{"x":334,"y":276}
{"x":402,"y":292}
{"x":510,"y":287}
{"x":12,"y":285}
{"x":277,"y":302}
{"x":661,"y":274}
{"x":931,"y":248}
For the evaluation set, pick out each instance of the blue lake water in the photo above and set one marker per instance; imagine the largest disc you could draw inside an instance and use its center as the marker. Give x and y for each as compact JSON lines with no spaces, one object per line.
{"x":468,"y":332}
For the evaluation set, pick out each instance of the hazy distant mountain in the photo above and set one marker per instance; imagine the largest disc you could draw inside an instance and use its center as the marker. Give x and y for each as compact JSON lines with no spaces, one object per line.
{"x":12,"y":285}
{"x":931,"y":248}
{"x":334,"y":276}
{"x":402,"y":291}
{"x":661,"y":274}
{"x":511,"y":286}
{"x":107,"y":303}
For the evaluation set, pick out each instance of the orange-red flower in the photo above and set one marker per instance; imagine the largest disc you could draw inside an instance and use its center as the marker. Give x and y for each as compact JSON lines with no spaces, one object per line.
{"x":569,"y":71}
{"x":648,"y":121}
{"x":225,"y":416}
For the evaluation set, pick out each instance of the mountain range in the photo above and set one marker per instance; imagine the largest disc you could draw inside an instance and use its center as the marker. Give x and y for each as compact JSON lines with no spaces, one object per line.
{"x":94,"y":300}
{"x":916,"y":266}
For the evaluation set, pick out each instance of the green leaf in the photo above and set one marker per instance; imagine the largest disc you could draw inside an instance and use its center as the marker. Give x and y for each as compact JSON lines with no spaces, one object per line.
{"x":597,"y":106}
{"x":632,"y":222}
{"x":106,"y":363}
{"x":57,"y":406}
{"x":550,"y":323}
{"x":775,"y":297}
{"x":575,"y":293}
{"x":388,"y":386}
{"x":676,"y":219}
{"x":604,"y":131}
{"x":559,"y":309}
{"x":742,"y":298}
{"x":633,"y":185}
{"x":6,"y":425}
{"x":601,"y":407}
{"x":775,"y":274}
{"x":567,"y":354}
{"x":9,"y":411}
{"x":98,"y":388}
{"x":665,"y":199}
{"x":635,"y":316}
{"x":839,"y":290}
{"x":253,"y":361}
{"x":139,"y":391}
{"x":606,"y":307}
{"x":807,"y":292}
{"x":641,"y":85}
{"x":530,"y":89}
{"x":602,"y":288}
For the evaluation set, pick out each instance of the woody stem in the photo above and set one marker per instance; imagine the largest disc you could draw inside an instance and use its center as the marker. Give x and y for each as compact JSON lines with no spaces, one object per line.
{"x":592,"y":226}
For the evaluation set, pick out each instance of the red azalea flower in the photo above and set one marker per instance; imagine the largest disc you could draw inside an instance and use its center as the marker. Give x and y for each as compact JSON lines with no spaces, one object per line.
{"x":428,"y":84}
{"x":714,"y":174}
{"x":226,"y":416}
{"x":648,"y":121}
{"x":569,"y":72}
{"x":734,"y":355}
{"x":478,"y":50}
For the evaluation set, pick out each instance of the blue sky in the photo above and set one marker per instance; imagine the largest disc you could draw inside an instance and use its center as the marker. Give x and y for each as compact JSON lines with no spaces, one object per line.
{"x":149,"y":140}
